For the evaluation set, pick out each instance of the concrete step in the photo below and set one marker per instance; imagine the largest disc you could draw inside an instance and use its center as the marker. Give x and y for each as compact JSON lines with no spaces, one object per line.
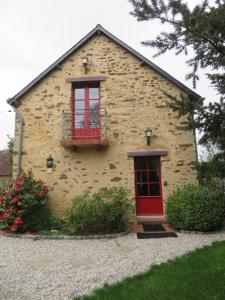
{"x":139,"y":228}
{"x":155,"y":219}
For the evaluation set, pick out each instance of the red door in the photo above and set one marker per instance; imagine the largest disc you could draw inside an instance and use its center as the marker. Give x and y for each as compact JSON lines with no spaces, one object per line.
{"x":148,"y":186}
{"x":86,"y":112}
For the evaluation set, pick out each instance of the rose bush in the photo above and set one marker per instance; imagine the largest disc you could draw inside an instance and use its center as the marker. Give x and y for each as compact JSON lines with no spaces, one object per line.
{"x":18,"y":200}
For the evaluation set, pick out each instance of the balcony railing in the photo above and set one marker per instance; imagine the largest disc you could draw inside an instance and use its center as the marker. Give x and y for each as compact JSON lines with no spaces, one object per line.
{"x":84,"y":126}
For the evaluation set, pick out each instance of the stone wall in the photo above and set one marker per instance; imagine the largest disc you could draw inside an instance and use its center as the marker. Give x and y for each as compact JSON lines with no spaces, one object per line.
{"x":134,"y":101}
{"x":4,"y":163}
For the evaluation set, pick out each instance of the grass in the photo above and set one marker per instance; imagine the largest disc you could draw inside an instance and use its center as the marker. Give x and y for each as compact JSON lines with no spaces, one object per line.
{"x":199,"y":275}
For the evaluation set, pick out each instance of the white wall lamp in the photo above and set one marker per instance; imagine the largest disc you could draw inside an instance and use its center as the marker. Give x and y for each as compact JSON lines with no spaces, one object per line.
{"x":85,"y":62}
{"x":148,"y":134}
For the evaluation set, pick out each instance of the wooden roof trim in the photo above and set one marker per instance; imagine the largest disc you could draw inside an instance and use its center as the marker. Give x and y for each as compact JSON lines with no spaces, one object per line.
{"x":86,"y":79}
{"x":146,"y":153}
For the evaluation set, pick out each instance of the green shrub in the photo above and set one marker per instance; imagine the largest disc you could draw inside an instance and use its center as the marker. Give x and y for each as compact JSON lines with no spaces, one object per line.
{"x":102,"y":212}
{"x":196,"y":208}
{"x":42,"y":219}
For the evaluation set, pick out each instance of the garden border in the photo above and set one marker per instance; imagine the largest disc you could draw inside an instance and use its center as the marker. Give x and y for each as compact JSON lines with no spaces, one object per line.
{"x":64,"y":237}
{"x":201,"y":232}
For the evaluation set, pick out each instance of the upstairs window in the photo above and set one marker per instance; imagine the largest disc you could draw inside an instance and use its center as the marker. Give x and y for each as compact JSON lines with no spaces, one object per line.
{"x":86,"y":111}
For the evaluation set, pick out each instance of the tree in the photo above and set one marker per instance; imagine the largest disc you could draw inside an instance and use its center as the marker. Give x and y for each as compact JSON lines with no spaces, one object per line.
{"x":201,"y":30}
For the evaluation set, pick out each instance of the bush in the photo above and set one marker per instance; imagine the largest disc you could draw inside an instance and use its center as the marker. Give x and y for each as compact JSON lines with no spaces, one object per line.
{"x":19,"y":200}
{"x":42,"y":219}
{"x":196,"y":208}
{"x":102,"y":212}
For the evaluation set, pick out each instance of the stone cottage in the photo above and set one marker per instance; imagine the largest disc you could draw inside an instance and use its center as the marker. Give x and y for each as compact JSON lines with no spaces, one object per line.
{"x":100,"y":118}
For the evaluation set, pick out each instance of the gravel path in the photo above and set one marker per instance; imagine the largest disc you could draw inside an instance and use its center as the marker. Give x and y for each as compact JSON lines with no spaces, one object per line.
{"x":60,"y":269}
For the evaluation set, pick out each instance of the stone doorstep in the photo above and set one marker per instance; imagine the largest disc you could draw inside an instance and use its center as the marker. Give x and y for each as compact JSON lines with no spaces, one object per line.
{"x":136,"y":228}
{"x":139,"y":228}
{"x":155,"y":219}
{"x":168,"y":228}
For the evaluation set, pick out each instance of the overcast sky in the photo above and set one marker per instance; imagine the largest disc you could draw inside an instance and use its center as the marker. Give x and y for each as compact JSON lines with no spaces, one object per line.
{"x":34,"y":33}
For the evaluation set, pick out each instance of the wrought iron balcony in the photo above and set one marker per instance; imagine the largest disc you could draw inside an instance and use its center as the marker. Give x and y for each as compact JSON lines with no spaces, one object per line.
{"x":84,"y":128}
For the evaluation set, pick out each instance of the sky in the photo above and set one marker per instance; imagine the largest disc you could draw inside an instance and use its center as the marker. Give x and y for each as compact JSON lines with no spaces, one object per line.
{"x":34,"y":33}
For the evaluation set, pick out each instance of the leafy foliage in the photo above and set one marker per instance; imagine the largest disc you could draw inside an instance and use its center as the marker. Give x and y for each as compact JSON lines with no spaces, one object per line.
{"x":211,"y":168}
{"x":196,"y":208}
{"x":101,"y":212}
{"x":42,"y":219}
{"x":200,"y":31}
{"x":19,"y":200}
{"x":10,"y":146}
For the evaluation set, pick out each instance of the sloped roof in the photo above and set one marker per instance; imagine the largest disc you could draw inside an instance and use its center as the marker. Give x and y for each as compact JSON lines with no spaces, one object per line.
{"x":4,"y":163}
{"x":100,"y":29}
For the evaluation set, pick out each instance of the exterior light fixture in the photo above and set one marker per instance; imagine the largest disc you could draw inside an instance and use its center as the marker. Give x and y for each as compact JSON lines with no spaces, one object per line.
{"x":148,"y":134}
{"x":50,"y":161}
{"x":85,"y":62}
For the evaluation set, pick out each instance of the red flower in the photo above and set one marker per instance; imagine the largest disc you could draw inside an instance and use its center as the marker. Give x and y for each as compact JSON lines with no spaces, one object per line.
{"x":18,"y":184}
{"x":1,"y":199}
{"x":18,"y":191}
{"x":5,"y":215}
{"x":15,"y":200}
{"x":20,"y":177}
{"x":18,"y":221}
{"x":39,"y":183}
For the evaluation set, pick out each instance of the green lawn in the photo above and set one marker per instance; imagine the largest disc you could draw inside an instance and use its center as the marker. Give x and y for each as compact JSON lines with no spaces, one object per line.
{"x":198,"y":275}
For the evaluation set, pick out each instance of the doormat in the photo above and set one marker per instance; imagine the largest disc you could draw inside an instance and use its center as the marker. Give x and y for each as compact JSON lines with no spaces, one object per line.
{"x":153,"y":235}
{"x":153,"y":227}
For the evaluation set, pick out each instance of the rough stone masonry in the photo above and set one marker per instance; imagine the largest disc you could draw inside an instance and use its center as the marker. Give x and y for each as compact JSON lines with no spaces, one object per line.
{"x":133,"y":96}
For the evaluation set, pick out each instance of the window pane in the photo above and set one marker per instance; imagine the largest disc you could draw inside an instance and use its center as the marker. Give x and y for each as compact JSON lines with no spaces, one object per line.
{"x":142,"y":177}
{"x":153,"y":176}
{"x":141,"y":163}
{"x":94,"y":105}
{"x":94,"y":120}
{"x":153,"y":163}
{"x":94,"y":93}
{"x":79,"y":105}
{"x":142,"y":189}
{"x":79,"y":94}
{"x":79,"y":121}
{"x":154,"y":189}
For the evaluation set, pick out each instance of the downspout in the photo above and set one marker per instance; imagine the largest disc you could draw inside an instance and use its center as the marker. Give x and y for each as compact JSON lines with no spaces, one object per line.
{"x":20,"y":145}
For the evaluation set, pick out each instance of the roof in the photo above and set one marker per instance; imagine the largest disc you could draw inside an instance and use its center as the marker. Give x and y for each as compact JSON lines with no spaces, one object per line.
{"x":100,"y":29}
{"x":4,"y":162}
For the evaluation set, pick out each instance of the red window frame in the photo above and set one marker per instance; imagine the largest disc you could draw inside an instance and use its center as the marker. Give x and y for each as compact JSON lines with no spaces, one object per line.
{"x":146,"y":171}
{"x":86,"y":131}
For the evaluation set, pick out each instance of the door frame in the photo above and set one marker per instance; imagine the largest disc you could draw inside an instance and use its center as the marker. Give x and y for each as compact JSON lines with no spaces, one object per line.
{"x":160,"y":197}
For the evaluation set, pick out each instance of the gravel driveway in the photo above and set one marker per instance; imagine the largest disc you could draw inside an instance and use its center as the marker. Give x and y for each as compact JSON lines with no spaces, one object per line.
{"x":60,"y":269}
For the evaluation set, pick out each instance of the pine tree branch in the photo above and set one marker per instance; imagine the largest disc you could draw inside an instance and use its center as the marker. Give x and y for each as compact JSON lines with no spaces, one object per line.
{"x":187,"y":30}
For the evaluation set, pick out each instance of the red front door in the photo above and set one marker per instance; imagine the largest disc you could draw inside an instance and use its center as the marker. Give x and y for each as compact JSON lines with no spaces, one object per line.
{"x":148,"y":186}
{"x":86,"y":112}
